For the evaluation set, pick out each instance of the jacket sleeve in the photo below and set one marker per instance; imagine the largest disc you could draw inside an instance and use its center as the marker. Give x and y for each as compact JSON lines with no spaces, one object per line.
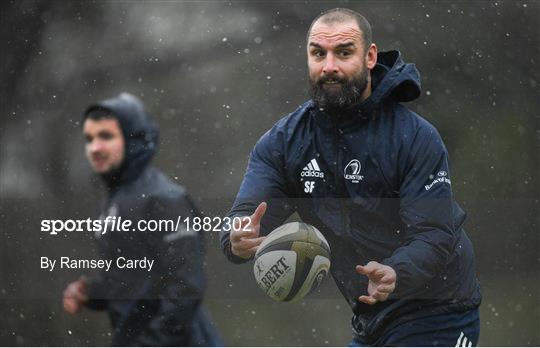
{"x":180,"y":255}
{"x":264,"y":180}
{"x":97,"y":298}
{"x":98,"y":291}
{"x":426,"y":209}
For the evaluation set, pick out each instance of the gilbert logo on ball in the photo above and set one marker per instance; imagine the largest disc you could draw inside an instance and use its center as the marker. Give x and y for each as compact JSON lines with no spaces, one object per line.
{"x":292,"y":261}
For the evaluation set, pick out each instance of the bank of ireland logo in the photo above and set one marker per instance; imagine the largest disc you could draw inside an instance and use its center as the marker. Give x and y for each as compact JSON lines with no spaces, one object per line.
{"x":352,"y":171}
{"x":442,"y":177}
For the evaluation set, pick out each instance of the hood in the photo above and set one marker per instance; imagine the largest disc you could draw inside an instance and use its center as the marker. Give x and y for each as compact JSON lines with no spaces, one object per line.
{"x":394,"y":78}
{"x":390,"y":78}
{"x":140,"y":136}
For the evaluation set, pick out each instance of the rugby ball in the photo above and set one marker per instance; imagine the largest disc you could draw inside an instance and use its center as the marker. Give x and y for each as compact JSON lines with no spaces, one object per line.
{"x":292,"y":261}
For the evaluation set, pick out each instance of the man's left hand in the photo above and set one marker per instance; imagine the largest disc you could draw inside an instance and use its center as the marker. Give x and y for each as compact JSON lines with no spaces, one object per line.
{"x":382,"y":282}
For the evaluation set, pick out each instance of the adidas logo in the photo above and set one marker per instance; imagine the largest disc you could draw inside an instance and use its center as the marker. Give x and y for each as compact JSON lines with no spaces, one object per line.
{"x":465,"y":342}
{"x":312,"y":170}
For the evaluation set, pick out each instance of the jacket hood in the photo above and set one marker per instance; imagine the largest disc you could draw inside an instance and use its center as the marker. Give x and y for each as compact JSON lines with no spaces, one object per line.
{"x":394,"y":78}
{"x":390,"y":78}
{"x":140,"y":136}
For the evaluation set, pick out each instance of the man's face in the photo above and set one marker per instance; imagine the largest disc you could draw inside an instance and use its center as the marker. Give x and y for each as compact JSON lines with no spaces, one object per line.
{"x":104,"y":144}
{"x":338,"y":64}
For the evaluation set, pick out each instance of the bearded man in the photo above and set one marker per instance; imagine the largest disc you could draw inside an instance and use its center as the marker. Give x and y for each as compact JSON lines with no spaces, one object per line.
{"x":374,"y":178}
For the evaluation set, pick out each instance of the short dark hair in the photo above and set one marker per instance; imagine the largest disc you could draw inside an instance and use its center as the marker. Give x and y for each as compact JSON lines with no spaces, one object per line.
{"x":98,"y":113}
{"x":340,"y":15}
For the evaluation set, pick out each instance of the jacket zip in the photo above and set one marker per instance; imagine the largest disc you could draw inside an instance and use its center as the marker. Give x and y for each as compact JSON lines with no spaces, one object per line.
{"x":340,"y":184}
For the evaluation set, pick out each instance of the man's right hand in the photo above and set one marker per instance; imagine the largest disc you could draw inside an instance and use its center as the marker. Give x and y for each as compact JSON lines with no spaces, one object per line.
{"x":244,"y":236}
{"x":75,"y":295}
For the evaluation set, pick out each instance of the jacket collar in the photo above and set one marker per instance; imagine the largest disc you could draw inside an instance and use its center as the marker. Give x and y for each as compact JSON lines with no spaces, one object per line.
{"x":349,"y":120}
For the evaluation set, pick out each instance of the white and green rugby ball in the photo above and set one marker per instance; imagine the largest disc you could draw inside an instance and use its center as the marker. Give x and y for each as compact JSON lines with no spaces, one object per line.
{"x":292,"y":261}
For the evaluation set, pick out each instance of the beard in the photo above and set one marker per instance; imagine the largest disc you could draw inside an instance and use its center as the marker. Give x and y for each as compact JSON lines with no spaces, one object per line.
{"x":340,"y":96}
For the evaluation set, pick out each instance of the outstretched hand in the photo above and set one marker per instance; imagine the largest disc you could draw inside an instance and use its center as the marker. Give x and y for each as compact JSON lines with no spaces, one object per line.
{"x":75,"y":295}
{"x":382,"y":282}
{"x":244,"y":235}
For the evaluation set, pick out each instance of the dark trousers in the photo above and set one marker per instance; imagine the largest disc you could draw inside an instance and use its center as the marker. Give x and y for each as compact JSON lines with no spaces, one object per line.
{"x":443,"y":330}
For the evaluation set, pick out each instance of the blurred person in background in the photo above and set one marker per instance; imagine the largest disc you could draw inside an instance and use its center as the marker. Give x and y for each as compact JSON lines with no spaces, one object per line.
{"x":161,"y":307}
{"x":374,"y":178}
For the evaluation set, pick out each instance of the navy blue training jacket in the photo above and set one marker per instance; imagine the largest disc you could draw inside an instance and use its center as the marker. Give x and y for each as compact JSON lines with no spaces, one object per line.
{"x":162,"y":307}
{"x":377,"y":183}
